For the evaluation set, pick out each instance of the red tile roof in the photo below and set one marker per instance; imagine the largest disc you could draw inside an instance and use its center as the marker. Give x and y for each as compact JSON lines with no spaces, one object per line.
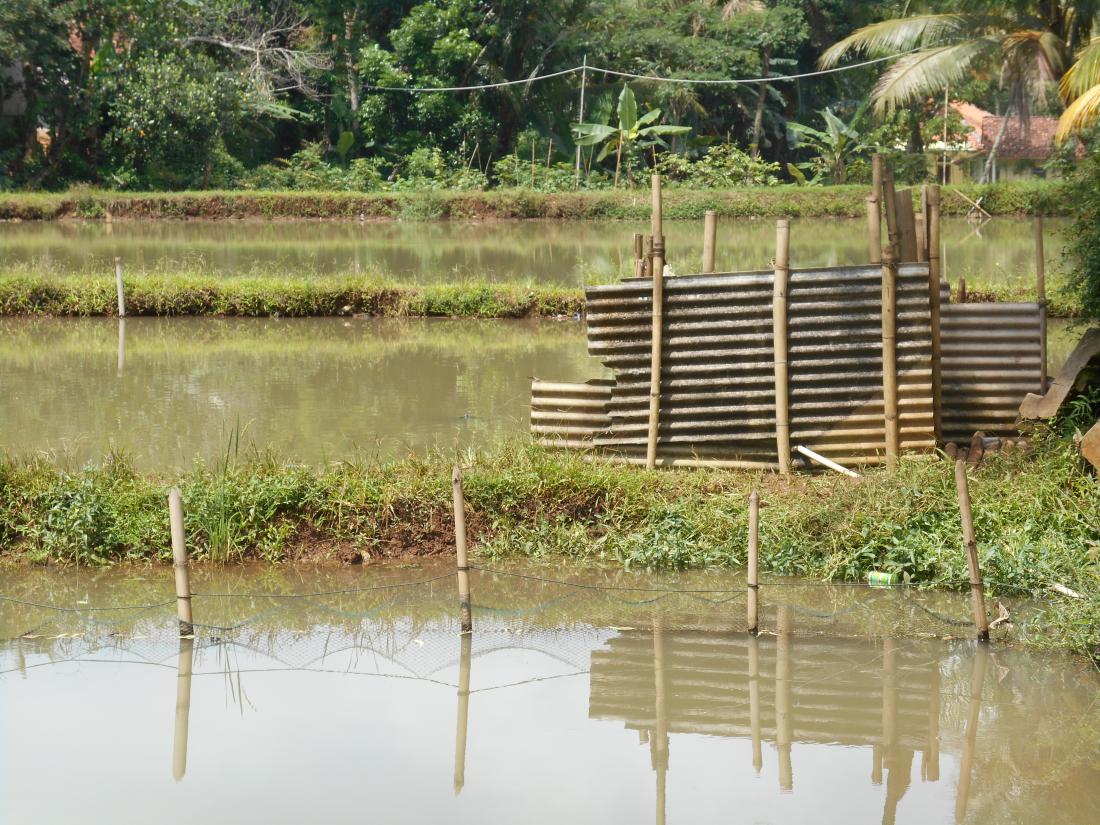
{"x":1034,"y":143}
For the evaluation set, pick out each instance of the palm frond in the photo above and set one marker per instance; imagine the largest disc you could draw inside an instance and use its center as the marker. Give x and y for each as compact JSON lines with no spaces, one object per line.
{"x":1079,"y":115}
{"x":905,"y":33}
{"x":1041,"y":50}
{"x":922,"y":74}
{"x":1084,"y":74}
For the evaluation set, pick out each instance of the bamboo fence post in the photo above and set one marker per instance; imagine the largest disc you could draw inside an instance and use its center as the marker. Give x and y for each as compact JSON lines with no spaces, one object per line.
{"x":119,"y":289}
{"x":921,"y":235}
{"x":463,"y":713}
{"x":179,"y":563}
{"x":779,"y":344}
{"x":639,"y":255}
{"x":657,"y":324}
{"x":890,"y":203}
{"x":874,"y":211}
{"x":962,"y":297}
{"x":184,"y":669}
{"x":889,"y":355}
{"x":462,"y":563}
{"x":1041,"y":296}
{"x":934,"y":298}
{"x":754,"y":703}
{"x":907,"y":233}
{"x":970,"y":546}
{"x":710,"y":238}
{"x":752,"y":572}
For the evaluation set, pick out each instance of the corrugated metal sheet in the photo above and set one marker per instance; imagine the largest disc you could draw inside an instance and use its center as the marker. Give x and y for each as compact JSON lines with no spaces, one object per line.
{"x":990,"y":358}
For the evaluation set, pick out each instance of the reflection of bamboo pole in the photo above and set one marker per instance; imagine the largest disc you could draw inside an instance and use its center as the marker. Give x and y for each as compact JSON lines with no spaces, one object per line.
{"x":1041,"y":297}
{"x":779,"y":344}
{"x":752,"y":573}
{"x":754,"y":702}
{"x":462,"y":563}
{"x":934,"y":277}
{"x":966,"y":763}
{"x":121,"y":345}
{"x":710,"y":238}
{"x":874,"y":211}
{"x":889,"y":354}
{"x":179,"y":562}
{"x":183,"y":707}
{"x":659,"y":744}
{"x":783,"y":734}
{"x":889,"y":693}
{"x":465,"y":642}
{"x":119,"y":289}
{"x":970,"y":545}
{"x":931,"y":762}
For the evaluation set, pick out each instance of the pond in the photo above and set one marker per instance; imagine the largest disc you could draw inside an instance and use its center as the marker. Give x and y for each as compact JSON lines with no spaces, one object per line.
{"x":168,"y":390}
{"x":565,"y":704}
{"x":562,"y":252}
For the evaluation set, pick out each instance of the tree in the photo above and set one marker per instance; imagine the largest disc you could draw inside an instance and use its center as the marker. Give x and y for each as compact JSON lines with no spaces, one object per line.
{"x":834,"y":147}
{"x":633,"y":131}
{"x":1080,"y":89}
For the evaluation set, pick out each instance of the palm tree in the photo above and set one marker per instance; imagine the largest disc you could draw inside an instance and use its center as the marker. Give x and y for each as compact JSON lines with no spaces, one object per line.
{"x":1080,"y":89}
{"x":1027,"y":44}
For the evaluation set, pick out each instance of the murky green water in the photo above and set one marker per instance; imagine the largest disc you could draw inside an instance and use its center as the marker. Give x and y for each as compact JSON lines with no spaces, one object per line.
{"x":566,"y":252}
{"x":564,"y":705}
{"x":166,"y":391}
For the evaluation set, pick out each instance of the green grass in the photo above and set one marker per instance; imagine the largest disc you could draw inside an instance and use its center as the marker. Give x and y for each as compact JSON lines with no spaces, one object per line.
{"x":1037,"y":515}
{"x":1011,"y":198}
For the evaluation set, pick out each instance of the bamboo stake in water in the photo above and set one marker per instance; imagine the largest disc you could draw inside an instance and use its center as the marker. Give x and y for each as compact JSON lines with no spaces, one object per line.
{"x":1041,"y":295}
{"x":874,"y":211}
{"x":184,"y":668}
{"x":179,"y":563}
{"x":779,"y":344}
{"x":934,"y":298}
{"x":970,"y":545}
{"x":465,"y":646}
{"x":889,"y":355}
{"x":710,"y":239}
{"x":119,"y":288}
{"x":752,"y":572}
{"x":463,"y":566}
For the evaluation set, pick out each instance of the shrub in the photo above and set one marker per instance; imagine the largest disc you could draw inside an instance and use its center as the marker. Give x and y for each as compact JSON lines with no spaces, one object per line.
{"x":722,"y":167}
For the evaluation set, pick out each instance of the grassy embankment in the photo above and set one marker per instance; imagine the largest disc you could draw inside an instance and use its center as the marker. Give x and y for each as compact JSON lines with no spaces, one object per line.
{"x":1037,"y":516}
{"x":1013,"y":198}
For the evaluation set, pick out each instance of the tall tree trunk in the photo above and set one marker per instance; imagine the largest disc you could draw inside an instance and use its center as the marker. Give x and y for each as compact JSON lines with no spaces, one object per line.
{"x":618,"y":162}
{"x":352,"y":71}
{"x":996,"y":145}
{"x":758,"y":118}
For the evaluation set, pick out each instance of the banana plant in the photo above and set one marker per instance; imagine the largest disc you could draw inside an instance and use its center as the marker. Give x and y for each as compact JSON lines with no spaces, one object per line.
{"x":835,"y":146}
{"x":633,"y":132}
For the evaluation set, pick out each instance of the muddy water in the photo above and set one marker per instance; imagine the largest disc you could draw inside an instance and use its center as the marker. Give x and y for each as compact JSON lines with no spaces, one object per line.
{"x":566,"y":252}
{"x":564,"y":705}
{"x":166,"y":391}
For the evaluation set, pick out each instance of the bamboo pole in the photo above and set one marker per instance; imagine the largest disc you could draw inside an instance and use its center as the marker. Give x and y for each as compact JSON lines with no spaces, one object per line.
{"x":874,"y":211}
{"x":893,"y":232}
{"x":826,"y":462}
{"x":779,"y":344}
{"x":970,"y":545}
{"x":462,"y":563}
{"x":889,"y":355}
{"x":184,"y":668}
{"x":974,"y":712}
{"x":962,"y":298}
{"x":710,"y":238}
{"x":179,"y":563}
{"x":120,"y":289}
{"x":465,"y":642}
{"x":639,"y":255}
{"x":907,"y":232}
{"x":922,"y":236}
{"x":752,"y":572}
{"x":657,"y":323}
{"x":1041,"y":295}
{"x":754,"y":703}
{"x":934,"y":280}
{"x":580,"y":119}
{"x":783,"y":731}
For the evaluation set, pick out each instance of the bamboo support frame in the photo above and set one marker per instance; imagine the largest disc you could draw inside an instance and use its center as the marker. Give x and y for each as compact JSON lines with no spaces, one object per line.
{"x":120,"y":290}
{"x":970,"y":546}
{"x":890,"y":355}
{"x":874,"y":212}
{"x":1041,"y":297}
{"x":752,"y":572}
{"x":461,"y":561}
{"x":657,"y":323}
{"x":179,"y":563}
{"x":934,"y":280}
{"x":710,"y":238}
{"x":779,"y":344}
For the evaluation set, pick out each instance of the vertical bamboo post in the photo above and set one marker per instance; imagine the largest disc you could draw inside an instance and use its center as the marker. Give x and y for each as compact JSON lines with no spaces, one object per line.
{"x":874,"y":211}
{"x":1041,"y":297}
{"x":657,"y":324}
{"x":119,"y":289}
{"x":962,"y":298}
{"x":934,"y":298}
{"x":922,"y":236}
{"x":907,"y":232}
{"x":754,"y":703}
{"x":890,"y":203}
{"x":970,"y":545}
{"x":889,"y":354}
{"x":465,"y":642}
{"x":179,"y":562}
{"x":639,"y":255}
{"x":462,"y":564}
{"x":783,"y":732}
{"x":752,"y":572}
{"x":710,"y":238}
{"x":184,"y":668}
{"x":779,"y":344}
{"x":974,"y":712}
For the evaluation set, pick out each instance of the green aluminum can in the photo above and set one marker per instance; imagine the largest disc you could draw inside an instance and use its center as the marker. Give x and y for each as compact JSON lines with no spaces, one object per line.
{"x":876,"y":578}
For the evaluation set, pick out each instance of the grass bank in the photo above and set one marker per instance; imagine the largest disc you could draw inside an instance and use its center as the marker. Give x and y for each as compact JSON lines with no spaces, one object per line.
{"x":1011,"y":198}
{"x":1037,"y":516}
{"x":30,"y":291}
